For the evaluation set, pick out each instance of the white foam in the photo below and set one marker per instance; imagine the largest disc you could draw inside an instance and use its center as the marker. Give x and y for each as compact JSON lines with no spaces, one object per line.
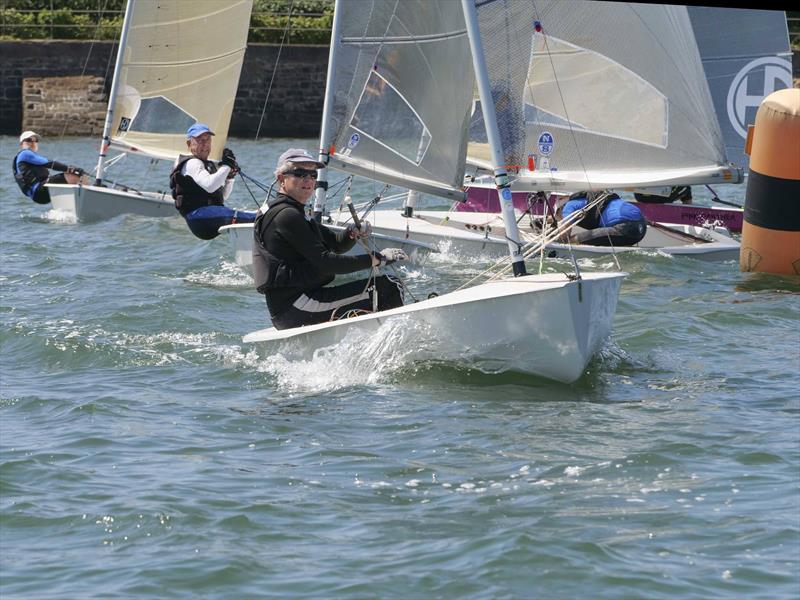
{"x":359,"y":359}
{"x":225,"y":275}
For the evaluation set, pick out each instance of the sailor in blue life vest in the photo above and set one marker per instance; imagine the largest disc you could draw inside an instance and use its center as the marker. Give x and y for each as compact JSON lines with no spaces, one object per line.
{"x":31,"y":170}
{"x":200,"y":188}
{"x":295,"y":258}
{"x":613,"y":222}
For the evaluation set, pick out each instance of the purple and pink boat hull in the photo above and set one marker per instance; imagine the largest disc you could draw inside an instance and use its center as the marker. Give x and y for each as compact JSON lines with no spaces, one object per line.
{"x":484,"y":199}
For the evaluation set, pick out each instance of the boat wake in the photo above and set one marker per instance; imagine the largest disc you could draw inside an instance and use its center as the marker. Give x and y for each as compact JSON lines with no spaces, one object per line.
{"x":54,"y":215}
{"x":226,"y":275}
{"x":358,"y":359}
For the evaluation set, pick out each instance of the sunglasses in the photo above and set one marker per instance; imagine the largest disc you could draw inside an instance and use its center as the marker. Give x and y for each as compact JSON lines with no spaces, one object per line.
{"x":302,"y":173}
{"x":31,"y":139}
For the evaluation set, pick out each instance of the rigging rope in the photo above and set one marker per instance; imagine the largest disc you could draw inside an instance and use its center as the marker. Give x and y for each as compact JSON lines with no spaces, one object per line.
{"x":501,"y":268}
{"x":275,"y":70}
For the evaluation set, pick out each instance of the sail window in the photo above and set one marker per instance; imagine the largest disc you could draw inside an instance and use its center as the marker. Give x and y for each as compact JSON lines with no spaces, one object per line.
{"x":384,"y":115}
{"x":573,"y":86}
{"x":159,"y":115}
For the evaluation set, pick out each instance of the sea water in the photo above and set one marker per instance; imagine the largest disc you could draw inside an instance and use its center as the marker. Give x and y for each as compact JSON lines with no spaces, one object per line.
{"x":146,"y":452}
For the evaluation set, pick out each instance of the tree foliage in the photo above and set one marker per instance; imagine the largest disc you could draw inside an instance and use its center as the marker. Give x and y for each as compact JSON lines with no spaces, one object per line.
{"x":310,"y":21}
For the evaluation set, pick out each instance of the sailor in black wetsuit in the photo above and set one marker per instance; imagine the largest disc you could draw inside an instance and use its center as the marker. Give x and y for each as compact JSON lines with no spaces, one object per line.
{"x":200,"y":188}
{"x":294,"y":257}
{"x":31,"y":170}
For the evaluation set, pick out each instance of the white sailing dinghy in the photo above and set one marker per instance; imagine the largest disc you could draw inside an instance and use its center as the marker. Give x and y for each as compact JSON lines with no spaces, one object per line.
{"x":587,"y":113}
{"x":178,"y":63}
{"x":408,"y":68}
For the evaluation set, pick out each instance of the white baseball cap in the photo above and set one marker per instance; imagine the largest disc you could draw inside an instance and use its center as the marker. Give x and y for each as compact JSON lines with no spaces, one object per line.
{"x":29,"y":134}
{"x":298,"y":155}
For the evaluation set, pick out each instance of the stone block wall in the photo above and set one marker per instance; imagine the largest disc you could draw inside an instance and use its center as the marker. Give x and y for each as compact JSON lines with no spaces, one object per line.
{"x":294,"y":108}
{"x":55,"y":106}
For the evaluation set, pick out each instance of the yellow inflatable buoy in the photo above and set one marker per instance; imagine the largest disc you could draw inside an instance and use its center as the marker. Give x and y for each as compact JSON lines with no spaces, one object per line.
{"x":771,"y":230}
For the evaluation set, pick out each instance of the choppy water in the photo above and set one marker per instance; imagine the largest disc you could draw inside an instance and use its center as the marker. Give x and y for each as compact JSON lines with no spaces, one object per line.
{"x":146,"y":452}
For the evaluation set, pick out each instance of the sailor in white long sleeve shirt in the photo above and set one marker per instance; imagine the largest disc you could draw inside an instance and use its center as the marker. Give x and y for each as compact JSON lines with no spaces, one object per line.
{"x":200,"y":187}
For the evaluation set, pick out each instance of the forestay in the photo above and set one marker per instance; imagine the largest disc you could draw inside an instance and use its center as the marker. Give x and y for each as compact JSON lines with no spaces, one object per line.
{"x":402,"y":94}
{"x":598,"y":95}
{"x":180,"y":64}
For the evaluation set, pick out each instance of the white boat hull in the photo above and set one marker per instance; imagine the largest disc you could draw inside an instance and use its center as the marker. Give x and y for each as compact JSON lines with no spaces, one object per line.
{"x":240,"y":236}
{"x":89,"y":203}
{"x":464,"y":233}
{"x":545,"y":325}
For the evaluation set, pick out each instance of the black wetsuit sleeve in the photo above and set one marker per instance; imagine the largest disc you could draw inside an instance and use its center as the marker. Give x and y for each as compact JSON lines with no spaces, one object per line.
{"x":57,"y":166}
{"x":339,"y":241}
{"x":300,"y":235}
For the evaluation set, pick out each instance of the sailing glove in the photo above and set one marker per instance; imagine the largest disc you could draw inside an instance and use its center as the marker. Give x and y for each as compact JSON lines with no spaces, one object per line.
{"x":355,"y":233}
{"x":75,"y":171}
{"x":388,"y":256}
{"x":229,"y":160}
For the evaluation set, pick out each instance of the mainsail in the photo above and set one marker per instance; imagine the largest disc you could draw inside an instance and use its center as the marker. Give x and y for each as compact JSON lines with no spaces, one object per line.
{"x":746,"y":56}
{"x":402,"y":93}
{"x":597,"y":95}
{"x":180,"y":64}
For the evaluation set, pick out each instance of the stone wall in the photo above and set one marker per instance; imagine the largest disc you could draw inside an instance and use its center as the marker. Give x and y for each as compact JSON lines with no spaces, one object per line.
{"x":55,"y":106}
{"x":294,"y":108}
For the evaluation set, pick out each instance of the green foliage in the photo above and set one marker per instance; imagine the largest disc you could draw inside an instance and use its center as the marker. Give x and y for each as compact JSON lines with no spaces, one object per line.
{"x":76,"y":5}
{"x":59,"y":23}
{"x":17,"y":25}
{"x":302,"y":7}
{"x":793,"y":18}
{"x":303,"y":30}
{"x":311,"y":20}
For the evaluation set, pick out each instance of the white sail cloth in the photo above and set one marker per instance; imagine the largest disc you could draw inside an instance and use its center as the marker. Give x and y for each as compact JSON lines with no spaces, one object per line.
{"x":598,"y":94}
{"x":180,"y":65}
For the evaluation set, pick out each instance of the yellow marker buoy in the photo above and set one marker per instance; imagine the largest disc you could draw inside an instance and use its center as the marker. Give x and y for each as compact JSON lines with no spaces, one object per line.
{"x":771,"y":229}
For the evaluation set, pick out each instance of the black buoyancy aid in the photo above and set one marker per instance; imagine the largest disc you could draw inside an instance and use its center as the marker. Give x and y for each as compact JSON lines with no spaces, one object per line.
{"x":28,"y":175}
{"x":271,"y":272}
{"x":592,"y":219}
{"x":188,"y":195}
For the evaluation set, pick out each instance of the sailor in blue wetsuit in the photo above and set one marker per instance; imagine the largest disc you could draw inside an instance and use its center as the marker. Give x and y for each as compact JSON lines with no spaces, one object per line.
{"x":31,"y":170}
{"x":295,"y":258}
{"x":613,"y":222}
{"x":200,"y":188}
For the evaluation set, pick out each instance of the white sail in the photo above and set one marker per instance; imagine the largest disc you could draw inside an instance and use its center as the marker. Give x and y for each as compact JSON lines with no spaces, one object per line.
{"x":603,"y":94}
{"x":402,"y":94}
{"x":746,"y":56}
{"x":180,"y":65}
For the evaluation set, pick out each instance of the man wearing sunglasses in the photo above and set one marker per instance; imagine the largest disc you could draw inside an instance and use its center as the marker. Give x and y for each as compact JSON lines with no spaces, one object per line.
{"x":200,"y":187}
{"x":31,"y":170}
{"x":295,"y":258}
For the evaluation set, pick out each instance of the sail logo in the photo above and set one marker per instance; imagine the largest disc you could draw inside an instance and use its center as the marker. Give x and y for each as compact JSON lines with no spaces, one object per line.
{"x":545,"y":143}
{"x":756,"y":80}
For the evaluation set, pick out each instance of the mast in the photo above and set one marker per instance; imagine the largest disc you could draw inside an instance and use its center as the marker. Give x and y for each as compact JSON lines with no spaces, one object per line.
{"x":495,"y":145}
{"x":325,"y":141}
{"x":105,"y":142}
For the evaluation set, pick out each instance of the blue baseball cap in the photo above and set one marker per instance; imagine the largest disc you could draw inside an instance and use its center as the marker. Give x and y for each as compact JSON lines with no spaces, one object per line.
{"x":197,"y":129}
